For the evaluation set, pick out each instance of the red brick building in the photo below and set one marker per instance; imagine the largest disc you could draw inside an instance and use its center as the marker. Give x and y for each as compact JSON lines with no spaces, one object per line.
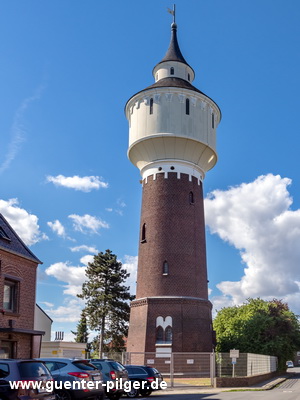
{"x":172,"y":140}
{"x":18,"y":265}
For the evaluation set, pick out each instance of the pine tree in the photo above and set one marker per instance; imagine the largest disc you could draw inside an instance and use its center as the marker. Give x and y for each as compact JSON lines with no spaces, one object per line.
{"x":107,"y":298}
{"x":82,"y":334}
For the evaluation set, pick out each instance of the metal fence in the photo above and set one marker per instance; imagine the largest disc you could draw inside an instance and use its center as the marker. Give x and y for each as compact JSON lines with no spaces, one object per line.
{"x":178,"y":369}
{"x":199,"y":369}
{"x":247,"y":364}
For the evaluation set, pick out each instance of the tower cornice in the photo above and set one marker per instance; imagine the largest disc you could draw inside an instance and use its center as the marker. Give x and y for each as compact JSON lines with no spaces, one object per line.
{"x":171,"y":84}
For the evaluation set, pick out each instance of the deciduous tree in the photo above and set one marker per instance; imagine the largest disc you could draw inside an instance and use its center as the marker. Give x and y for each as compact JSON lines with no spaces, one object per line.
{"x":259,"y":326}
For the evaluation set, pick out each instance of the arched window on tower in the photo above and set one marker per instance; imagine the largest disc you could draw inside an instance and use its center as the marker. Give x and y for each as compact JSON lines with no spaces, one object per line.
{"x":143,"y":235}
{"x":159,"y":334}
{"x":168,"y":334}
{"x":165,"y":268}
{"x":191,"y":198}
{"x":151,"y":106}
{"x":187,"y":106}
{"x":172,"y":71}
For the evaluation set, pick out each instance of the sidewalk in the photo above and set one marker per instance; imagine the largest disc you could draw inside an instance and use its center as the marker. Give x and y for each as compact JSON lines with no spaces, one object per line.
{"x":266,"y":385}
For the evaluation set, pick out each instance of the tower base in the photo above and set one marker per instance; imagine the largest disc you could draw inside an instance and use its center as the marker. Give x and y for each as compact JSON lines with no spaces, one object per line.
{"x":188,"y":317}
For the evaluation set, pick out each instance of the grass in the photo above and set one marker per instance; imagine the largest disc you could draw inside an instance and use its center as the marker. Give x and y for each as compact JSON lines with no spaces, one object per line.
{"x":190,"y":381}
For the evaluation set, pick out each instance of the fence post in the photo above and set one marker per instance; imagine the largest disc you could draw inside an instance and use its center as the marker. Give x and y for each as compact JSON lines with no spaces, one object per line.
{"x":172,"y":370}
{"x":212,"y":368}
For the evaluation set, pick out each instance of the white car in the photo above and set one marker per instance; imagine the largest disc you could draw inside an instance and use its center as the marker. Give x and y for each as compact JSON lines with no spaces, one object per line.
{"x":290,"y":364}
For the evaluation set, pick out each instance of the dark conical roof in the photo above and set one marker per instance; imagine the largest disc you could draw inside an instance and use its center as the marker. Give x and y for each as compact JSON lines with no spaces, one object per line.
{"x":173,"y":53}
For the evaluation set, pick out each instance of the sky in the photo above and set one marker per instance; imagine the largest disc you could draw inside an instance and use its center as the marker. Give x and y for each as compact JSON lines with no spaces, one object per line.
{"x":67,"y":188}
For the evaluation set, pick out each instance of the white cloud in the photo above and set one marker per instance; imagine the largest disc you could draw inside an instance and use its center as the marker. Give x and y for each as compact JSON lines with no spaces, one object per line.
{"x":87,"y":223}
{"x":87,"y":259}
{"x":84,"y":183}
{"x":18,"y":131}
{"x":73,"y":276}
{"x":83,"y":247}
{"x":130,"y":264}
{"x":57,"y":227}
{"x":257,"y":220}
{"x":25,"y":224}
{"x":47,"y":304}
{"x":69,"y":312}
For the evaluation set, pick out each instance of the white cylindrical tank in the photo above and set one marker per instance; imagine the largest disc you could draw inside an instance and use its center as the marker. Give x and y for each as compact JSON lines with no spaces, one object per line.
{"x":172,"y":121}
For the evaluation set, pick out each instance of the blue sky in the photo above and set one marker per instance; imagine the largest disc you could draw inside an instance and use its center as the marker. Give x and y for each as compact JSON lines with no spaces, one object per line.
{"x":67,"y":187}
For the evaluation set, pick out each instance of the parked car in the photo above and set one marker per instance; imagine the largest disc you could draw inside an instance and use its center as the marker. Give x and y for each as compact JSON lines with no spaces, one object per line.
{"x":75,"y":370}
{"x":112,"y":372}
{"x":290,"y":364}
{"x":145,"y":375}
{"x":24,"y":370}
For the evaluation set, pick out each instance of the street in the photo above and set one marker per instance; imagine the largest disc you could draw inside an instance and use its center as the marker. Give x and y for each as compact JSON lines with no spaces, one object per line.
{"x":288,"y":390}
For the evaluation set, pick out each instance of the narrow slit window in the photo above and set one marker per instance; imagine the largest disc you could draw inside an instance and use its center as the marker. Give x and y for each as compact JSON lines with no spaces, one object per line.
{"x":143,"y":238}
{"x":169,"y":334}
{"x":189,"y":77}
{"x":171,"y":71}
{"x":159,"y":334}
{"x":187,"y":106}
{"x":191,"y":198}
{"x":213,"y":120}
{"x":165,"y":268}
{"x":151,"y":106}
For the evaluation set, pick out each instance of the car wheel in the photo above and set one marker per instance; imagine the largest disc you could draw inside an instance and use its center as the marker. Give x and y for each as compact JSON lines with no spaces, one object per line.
{"x":133,"y":393}
{"x":62,"y":395}
{"x":146,"y":392}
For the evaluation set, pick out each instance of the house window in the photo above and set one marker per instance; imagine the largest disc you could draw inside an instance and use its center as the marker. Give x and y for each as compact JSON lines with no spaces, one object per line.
{"x":143,"y":237}
{"x":10,"y":296}
{"x":6,"y":351}
{"x":171,"y":71}
{"x":168,"y":334}
{"x":151,"y":106}
{"x":187,"y":106}
{"x":191,"y":198}
{"x":165,"y":268}
{"x":213,"y":120}
{"x":3,"y":234}
{"x":159,"y":334}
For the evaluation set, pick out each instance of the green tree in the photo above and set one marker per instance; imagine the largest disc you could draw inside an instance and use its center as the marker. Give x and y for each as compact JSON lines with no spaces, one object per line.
{"x":259,"y":326}
{"x":107,"y":298}
{"x":82,"y":334}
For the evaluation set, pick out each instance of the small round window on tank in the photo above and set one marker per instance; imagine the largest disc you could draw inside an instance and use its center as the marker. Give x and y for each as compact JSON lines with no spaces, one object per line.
{"x":160,"y":168}
{"x":172,"y":168}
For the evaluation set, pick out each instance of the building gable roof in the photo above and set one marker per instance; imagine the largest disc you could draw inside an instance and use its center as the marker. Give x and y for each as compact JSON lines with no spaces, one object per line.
{"x":11,"y":242}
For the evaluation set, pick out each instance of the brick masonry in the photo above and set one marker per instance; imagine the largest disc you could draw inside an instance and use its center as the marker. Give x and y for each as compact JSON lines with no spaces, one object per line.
{"x":24,"y":271}
{"x":174,"y":232}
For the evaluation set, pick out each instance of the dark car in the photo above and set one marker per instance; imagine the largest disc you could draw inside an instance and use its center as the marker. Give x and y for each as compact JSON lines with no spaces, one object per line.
{"x":112,"y":372}
{"x":30,"y":372}
{"x":75,"y":370}
{"x":145,"y":375}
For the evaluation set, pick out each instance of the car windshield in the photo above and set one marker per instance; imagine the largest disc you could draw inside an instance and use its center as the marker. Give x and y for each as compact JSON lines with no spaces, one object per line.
{"x":33,"y":369}
{"x":84,"y":365}
{"x":117,"y":366}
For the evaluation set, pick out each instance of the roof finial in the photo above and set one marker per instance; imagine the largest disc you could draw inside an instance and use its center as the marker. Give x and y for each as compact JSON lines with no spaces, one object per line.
{"x":172,"y":12}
